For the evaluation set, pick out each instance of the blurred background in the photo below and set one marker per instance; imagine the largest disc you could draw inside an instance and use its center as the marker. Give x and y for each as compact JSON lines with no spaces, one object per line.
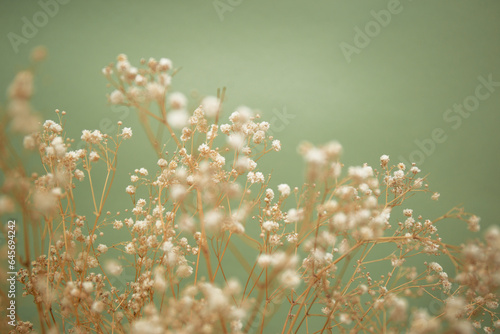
{"x":417,"y":80}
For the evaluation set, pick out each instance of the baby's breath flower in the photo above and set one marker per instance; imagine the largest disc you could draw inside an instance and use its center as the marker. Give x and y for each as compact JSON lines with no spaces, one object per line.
{"x":399,"y":174}
{"x":289,"y":279}
{"x":79,"y":175}
{"x":473,"y":223}
{"x":56,"y":148}
{"x":384,"y":160}
{"x":397,"y":262}
{"x":184,"y":271}
{"x":116,"y":97}
{"x":270,"y":226}
{"x":415,"y":170}
{"x":292,"y":238}
{"x":130,"y":248}
{"x":126,"y":133}
{"x":88,"y":287}
{"x":276,"y":144}
{"x":130,"y":190}
{"x":50,"y":125}
{"x":315,"y":156}
{"x":418,"y":183}
{"x":177,"y":100}
{"x":264,"y":260}
{"x":177,"y":192}
{"x":236,"y":141}
{"x":107,"y":71}
{"x":162,"y":163}
{"x":284,"y":189}
{"x":292,"y":216}
{"x":269,"y":193}
{"x":213,"y":220}
{"x":29,"y":142}
{"x":164,"y":64}
{"x":155,"y":91}
{"x":113,"y":267}
{"x":225,"y":128}
{"x":255,"y":177}
{"x":94,"y":137}
{"x":210,"y":105}
{"x":204,"y":149}
{"x":436,"y":267}
{"x":408,"y":212}
{"x":360,"y":173}
{"x":259,"y":136}
{"x":102,"y":248}
{"x":140,"y":80}
{"x":178,"y":118}
{"x":117,"y":224}
{"x":98,"y":307}
{"x":44,"y":201}
{"x":94,"y":156}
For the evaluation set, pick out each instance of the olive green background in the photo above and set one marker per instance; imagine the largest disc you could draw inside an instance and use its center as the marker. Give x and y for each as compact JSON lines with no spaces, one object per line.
{"x":279,"y":56}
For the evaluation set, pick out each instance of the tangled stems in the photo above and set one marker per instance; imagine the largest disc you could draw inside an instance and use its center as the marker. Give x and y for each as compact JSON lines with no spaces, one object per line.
{"x":316,"y":246}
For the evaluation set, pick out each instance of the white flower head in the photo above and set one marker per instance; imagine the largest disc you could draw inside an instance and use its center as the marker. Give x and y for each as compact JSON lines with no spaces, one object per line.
{"x":102,"y":248}
{"x":210,"y":105}
{"x":276,"y":145}
{"x":116,"y":97}
{"x":177,"y":100}
{"x":289,"y":279}
{"x":284,"y":189}
{"x":126,"y":133}
{"x":178,"y":118}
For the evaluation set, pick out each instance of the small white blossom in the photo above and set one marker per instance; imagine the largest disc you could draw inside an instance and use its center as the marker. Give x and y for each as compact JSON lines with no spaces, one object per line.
{"x":126,"y":133}
{"x":113,"y":267}
{"x":79,"y":175}
{"x":52,"y":126}
{"x":102,"y":248}
{"x":164,"y":64}
{"x":116,"y":97}
{"x":117,"y":224}
{"x":130,"y":190}
{"x":178,"y":118}
{"x":276,"y":145}
{"x":270,"y":225}
{"x":210,"y":105}
{"x":177,"y":100}
{"x":130,"y":248}
{"x":94,"y":156}
{"x":284,"y":189}
{"x":184,"y":271}
{"x":162,"y":163}
{"x":384,"y":160}
{"x":435,"y":267}
{"x":292,"y":238}
{"x":264,"y":260}
{"x":289,"y":279}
